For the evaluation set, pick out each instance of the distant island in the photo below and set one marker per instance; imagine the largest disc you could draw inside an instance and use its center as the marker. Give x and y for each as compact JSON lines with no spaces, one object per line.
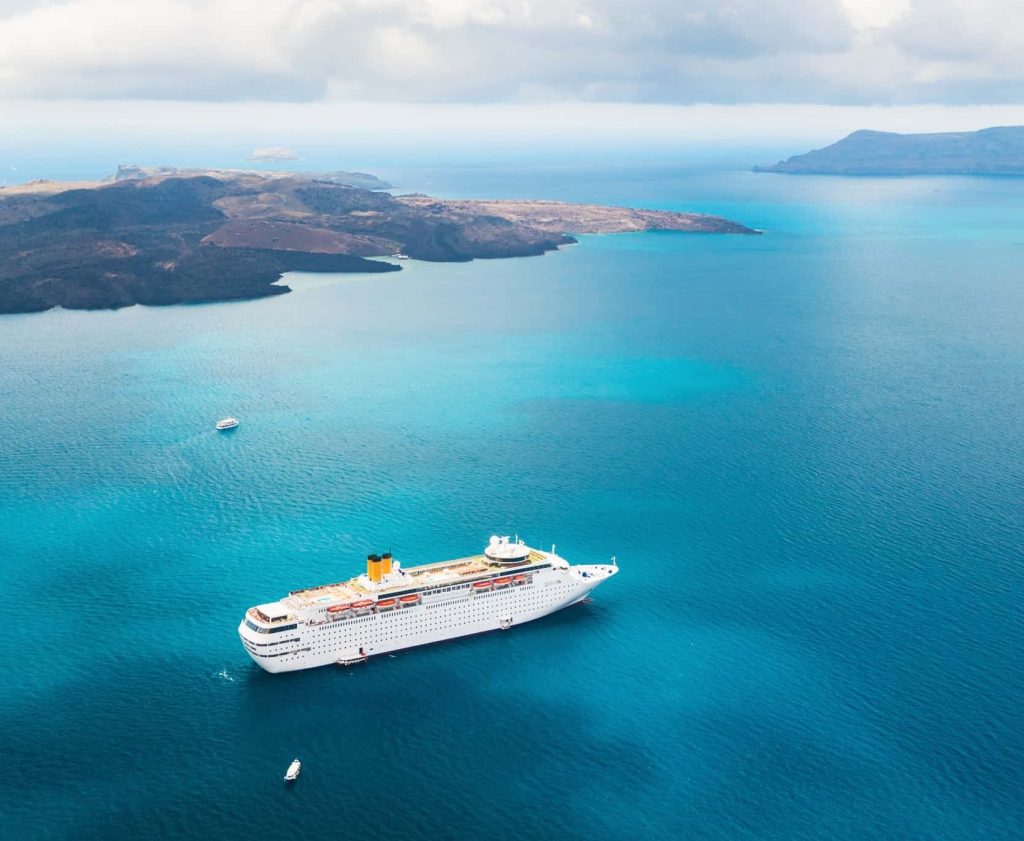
{"x":991,"y":151}
{"x":127,"y":172}
{"x":167,"y":236}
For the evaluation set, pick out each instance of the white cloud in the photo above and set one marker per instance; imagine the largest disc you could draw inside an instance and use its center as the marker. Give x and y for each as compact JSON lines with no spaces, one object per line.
{"x":159,"y":48}
{"x":672,"y":51}
{"x":273,"y":153}
{"x":867,"y":14}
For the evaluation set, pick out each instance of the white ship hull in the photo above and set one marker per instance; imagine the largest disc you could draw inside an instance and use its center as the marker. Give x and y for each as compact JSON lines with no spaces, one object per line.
{"x":437,"y":616}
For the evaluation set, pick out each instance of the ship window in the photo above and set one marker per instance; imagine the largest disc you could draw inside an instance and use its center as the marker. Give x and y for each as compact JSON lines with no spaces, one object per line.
{"x":260,"y":630}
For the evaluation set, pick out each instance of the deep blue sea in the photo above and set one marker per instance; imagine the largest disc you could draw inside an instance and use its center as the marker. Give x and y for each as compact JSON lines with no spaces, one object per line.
{"x":806,"y":450}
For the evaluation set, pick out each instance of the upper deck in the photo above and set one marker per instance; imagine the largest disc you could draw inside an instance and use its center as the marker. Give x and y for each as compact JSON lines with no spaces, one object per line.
{"x":402,"y":580}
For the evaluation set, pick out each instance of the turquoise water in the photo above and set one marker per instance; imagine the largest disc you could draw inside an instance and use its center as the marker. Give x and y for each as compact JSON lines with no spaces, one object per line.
{"x":805,"y":450}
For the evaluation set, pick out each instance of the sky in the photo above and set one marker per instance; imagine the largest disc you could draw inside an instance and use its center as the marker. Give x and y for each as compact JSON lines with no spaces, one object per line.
{"x":383,"y":73}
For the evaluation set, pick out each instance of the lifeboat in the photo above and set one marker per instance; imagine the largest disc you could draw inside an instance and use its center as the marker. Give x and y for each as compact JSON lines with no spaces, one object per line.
{"x":338,"y":608}
{"x":519,"y":579}
{"x":502,"y":582}
{"x":362,"y":606}
{"x":411,"y":599}
{"x":386,"y":604}
{"x":482,"y":585}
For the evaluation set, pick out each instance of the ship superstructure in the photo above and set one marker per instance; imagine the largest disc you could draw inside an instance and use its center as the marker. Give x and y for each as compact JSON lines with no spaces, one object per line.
{"x":389,"y":607}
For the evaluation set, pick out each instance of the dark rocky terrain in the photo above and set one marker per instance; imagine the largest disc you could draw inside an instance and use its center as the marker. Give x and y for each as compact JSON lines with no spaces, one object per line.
{"x":170,"y":238}
{"x":991,"y":151}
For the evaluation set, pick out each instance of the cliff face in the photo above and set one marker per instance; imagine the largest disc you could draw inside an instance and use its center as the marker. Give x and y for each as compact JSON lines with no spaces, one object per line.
{"x":991,"y":151}
{"x":165,"y":239}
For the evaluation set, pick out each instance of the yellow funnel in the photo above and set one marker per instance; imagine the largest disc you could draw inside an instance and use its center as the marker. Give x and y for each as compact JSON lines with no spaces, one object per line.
{"x":373,"y":567}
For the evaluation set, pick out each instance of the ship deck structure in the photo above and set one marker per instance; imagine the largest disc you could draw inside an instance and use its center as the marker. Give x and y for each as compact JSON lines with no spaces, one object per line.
{"x":389,"y":608}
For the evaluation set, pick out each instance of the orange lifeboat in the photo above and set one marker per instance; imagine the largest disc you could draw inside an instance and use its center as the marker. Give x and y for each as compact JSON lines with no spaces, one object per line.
{"x":482,"y":585}
{"x":412,"y":598}
{"x":519,"y":579}
{"x":338,"y":608}
{"x":365,"y":603}
{"x":502,"y":582}
{"x":385,"y":604}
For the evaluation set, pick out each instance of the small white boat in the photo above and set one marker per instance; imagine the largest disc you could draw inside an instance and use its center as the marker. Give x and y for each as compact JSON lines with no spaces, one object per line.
{"x":398,"y":255}
{"x":293,"y":771}
{"x":226,"y":423}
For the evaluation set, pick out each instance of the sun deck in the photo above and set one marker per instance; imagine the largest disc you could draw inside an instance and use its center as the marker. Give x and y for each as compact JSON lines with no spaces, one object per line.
{"x":327,"y":594}
{"x":426,"y":575}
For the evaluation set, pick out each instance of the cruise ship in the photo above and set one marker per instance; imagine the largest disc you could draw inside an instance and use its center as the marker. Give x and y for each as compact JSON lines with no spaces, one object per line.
{"x":391,"y":607}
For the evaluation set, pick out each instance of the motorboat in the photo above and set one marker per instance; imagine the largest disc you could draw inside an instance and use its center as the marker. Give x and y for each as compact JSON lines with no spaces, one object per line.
{"x":292,"y":773}
{"x":225,"y":424}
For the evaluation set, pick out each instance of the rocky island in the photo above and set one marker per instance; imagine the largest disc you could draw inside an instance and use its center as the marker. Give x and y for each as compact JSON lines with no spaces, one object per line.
{"x":991,"y":151}
{"x":166,"y":236}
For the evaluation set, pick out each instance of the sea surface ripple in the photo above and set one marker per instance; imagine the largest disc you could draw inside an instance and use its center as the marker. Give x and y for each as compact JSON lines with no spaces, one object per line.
{"x":804,"y":448}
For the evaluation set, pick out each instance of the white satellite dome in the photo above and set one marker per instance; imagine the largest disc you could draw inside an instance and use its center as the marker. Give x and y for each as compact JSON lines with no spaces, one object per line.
{"x":504,"y":551}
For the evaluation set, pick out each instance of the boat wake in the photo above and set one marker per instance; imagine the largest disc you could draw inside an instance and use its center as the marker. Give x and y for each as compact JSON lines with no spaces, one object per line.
{"x":223,"y":674}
